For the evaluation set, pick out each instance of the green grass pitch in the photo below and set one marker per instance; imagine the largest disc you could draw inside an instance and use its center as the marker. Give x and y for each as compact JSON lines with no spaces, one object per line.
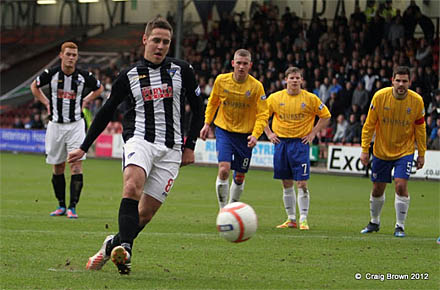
{"x":180,"y":248}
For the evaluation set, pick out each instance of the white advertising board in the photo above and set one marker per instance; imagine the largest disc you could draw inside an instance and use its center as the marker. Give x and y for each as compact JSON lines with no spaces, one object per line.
{"x":346,"y":159}
{"x":262,"y":155}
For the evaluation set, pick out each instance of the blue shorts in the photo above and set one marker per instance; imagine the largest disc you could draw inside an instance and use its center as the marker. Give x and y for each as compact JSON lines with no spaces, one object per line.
{"x":233,"y":148}
{"x":381,"y":169}
{"x":291,"y":159}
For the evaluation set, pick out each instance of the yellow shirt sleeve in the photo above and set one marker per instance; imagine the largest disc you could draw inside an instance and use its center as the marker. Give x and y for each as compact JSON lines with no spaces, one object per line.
{"x":420,"y":132}
{"x":262,"y":113}
{"x":213,"y":103}
{"x":369,"y":126}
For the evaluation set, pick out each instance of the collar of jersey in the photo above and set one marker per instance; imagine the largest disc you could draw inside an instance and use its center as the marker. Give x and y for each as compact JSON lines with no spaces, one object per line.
{"x":153,"y":65}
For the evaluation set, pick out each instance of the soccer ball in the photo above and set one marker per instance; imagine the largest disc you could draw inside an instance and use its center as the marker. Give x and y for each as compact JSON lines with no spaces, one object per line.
{"x":237,"y":222}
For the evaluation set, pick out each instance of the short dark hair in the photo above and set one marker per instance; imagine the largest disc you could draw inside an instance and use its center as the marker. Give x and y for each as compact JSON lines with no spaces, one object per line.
{"x":291,"y":70}
{"x":401,"y":70}
{"x":158,"y":22}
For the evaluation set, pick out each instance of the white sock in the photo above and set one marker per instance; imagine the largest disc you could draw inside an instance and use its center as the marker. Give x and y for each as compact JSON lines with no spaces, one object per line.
{"x":303,"y":203}
{"x":222,"y":190}
{"x":401,"y":204}
{"x":235,"y":191}
{"x":289,"y":199}
{"x":376,"y":204}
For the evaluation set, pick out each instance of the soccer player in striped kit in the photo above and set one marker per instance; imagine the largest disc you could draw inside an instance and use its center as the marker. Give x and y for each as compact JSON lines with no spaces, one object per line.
{"x":241,"y":117}
{"x":66,"y":128}
{"x":294,"y":111}
{"x":397,"y":116}
{"x":154,"y":91}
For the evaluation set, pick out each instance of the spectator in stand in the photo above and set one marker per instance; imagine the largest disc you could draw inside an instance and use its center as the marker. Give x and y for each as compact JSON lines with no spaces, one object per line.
{"x":27,"y":122}
{"x":396,"y":32}
{"x":341,"y":127}
{"x":430,"y":79}
{"x":434,"y":105}
{"x":335,"y":87}
{"x":18,"y":124}
{"x":409,"y":19}
{"x":429,"y":126}
{"x":346,"y":94}
{"x":324,"y":90}
{"x":434,"y":131}
{"x":426,"y":24}
{"x":335,"y":105}
{"x":386,"y":82}
{"x":36,"y":122}
{"x":316,"y":89}
{"x":424,"y":53}
{"x":353,"y":132}
{"x":369,"y":78}
{"x":434,"y":143}
{"x":354,"y":109}
{"x":360,"y":97}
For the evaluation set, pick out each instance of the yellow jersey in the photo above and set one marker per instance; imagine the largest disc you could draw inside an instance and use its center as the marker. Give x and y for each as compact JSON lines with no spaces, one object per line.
{"x":294,"y":115}
{"x":242,"y":107}
{"x":397,"y":123}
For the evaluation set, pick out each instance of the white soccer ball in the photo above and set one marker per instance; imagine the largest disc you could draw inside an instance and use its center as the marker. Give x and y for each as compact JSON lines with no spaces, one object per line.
{"x":237,"y":222}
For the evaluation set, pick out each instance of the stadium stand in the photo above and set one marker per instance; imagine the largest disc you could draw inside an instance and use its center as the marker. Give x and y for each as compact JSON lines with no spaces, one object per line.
{"x":345,"y":60}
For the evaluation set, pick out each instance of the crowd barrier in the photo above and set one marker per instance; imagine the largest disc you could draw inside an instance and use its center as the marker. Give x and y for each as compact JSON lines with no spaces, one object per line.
{"x":341,"y":159}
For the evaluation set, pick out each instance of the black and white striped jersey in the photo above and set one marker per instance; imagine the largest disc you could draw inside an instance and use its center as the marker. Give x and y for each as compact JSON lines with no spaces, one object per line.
{"x":154,"y":98}
{"x":66,"y":92}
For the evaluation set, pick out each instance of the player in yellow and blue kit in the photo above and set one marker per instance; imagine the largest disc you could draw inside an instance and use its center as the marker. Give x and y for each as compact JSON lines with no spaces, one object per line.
{"x":396,"y":115}
{"x":241,"y":117}
{"x":294,"y":111}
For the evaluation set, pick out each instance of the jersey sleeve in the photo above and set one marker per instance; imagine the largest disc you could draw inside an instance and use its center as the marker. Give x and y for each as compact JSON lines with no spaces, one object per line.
{"x":120,"y":90}
{"x":369,"y":126}
{"x":321,"y":109}
{"x":192,"y":90}
{"x":262,"y":112}
{"x":213,"y":102}
{"x":420,"y":130}
{"x":91,"y":82}
{"x":270,"y":104}
{"x":45,"y":77}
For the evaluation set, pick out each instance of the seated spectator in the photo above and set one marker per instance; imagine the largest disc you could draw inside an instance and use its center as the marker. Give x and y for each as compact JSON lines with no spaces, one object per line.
{"x":434,"y":144}
{"x":369,"y":78}
{"x":324,"y":90}
{"x":335,"y":87}
{"x":360,"y":96}
{"x":429,"y":126}
{"x":27,"y":122}
{"x":424,"y":53}
{"x":316,"y":88}
{"x":96,"y":105}
{"x":341,"y":127}
{"x":36,"y":122}
{"x":346,"y":94}
{"x":335,"y":105}
{"x":18,"y":124}
{"x":353,"y":132}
